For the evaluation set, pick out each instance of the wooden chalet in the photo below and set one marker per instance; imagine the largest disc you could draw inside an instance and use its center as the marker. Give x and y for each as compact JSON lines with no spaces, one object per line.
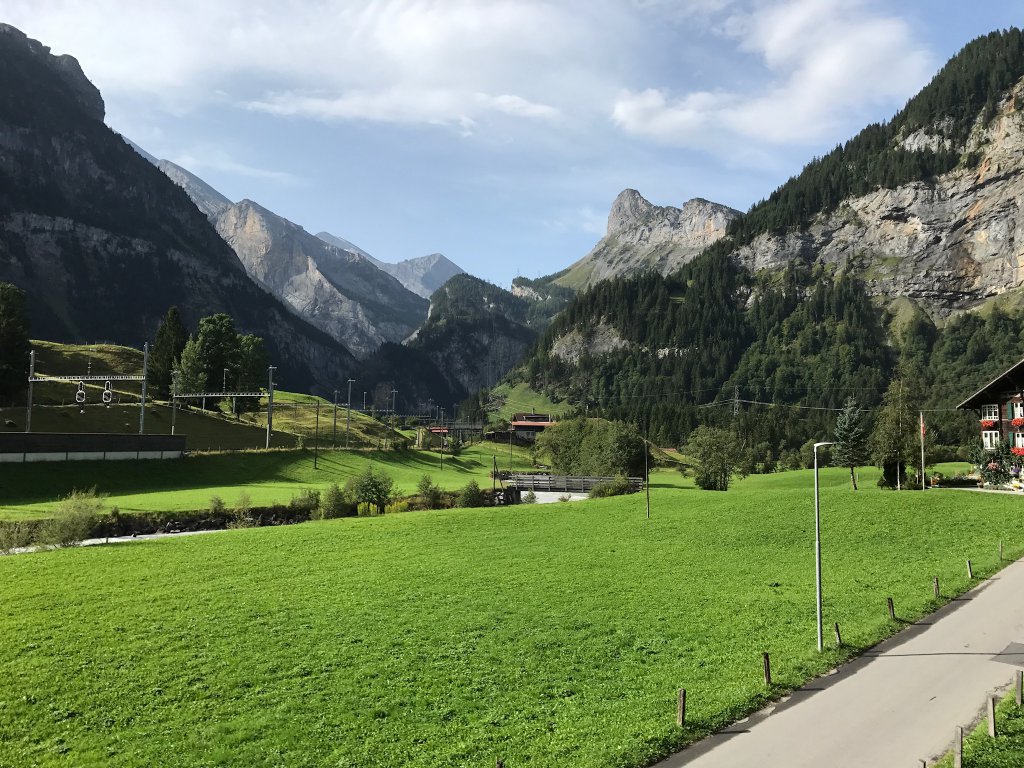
{"x":1000,"y":408}
{"x":526,"y":426}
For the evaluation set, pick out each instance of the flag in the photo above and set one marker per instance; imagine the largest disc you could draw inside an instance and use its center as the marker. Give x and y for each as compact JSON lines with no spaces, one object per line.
{"x":922,"y":425}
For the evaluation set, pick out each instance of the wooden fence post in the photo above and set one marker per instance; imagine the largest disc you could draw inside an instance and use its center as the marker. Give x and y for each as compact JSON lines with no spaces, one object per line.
{"x":681,"y":708}
{"x":992,"y":716}
{"x":839,"y":637}
{"x":958,"y":747}
{"x":1000,"y":550}
{"x":1020,"y":686}
{"x":935,"y":585}
{"x":767,"y":671}
{"x":970,"y":570}
{"x":892,"y":610}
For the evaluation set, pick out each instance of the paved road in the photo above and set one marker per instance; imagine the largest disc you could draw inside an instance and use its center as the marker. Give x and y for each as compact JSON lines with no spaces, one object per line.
{"x":896,"y":705}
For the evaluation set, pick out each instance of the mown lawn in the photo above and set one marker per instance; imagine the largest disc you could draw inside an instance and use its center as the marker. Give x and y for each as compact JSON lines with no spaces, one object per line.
{"x":549,"y":635}
{"x":30,"y":490}
{"x":1005,"y":751}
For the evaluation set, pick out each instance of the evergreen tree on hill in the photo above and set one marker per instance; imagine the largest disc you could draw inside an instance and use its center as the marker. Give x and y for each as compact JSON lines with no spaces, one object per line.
{"x":14,"y":344}
{"x":850,"y":448}
{"x":167,"y":346}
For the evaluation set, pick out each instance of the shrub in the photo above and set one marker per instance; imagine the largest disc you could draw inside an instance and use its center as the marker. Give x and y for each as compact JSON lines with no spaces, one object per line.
{"x":73,"y":520}
{"x":334,"y":504}
{"x":217,"y":506}
{"x":15,"y":534}
{"x":617,"y":487}
{"x":242,"y":517}
{"x":529,"y":498}
{"x":471,"y":495}
{"x":374,"y":489}
{"x":565,"y":497}
{"x":430,"y":494}
{"x":306,"y":502}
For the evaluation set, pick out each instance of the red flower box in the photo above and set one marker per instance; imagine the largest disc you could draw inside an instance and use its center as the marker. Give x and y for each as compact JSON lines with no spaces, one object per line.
{"x":1018,"y":422}
{"x":987,"y":423}
{"x":1017,"y":451}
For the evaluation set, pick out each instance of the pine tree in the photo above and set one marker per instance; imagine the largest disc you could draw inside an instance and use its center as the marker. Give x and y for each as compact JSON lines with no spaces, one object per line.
{"x":892,"y":441}
{"x":167,"y":346}
{"x":850,"y":448}
{"x":192,"y":373}
{"x":14,"y":346}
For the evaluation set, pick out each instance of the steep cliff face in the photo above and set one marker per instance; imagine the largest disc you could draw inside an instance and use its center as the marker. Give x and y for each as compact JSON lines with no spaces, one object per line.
{"x":644,"y":236}
{"x":948,"y":244}
{"x":338,"y":291}
{"x":102,"y":242}
{"x":422,"y":275}
{"x":475,"y":334}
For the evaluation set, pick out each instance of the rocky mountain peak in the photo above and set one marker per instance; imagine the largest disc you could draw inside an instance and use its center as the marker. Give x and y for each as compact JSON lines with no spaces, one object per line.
{"x":66,"y":67}
{"x":628,"y":208}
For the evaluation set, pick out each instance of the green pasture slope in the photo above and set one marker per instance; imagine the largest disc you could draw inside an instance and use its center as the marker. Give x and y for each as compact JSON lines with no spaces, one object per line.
{"x":552,"y":635}
{"x":268,"y":477}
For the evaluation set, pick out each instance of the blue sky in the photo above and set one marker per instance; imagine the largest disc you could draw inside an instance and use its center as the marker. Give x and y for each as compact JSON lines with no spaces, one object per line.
{"x":498,"y":132}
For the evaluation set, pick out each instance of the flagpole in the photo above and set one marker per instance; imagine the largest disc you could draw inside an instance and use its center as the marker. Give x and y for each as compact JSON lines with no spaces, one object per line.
{"x":922,"y":450}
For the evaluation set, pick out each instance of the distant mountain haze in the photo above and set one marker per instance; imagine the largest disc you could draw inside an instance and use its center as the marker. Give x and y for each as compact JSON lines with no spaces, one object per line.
{"x":422,"y":275}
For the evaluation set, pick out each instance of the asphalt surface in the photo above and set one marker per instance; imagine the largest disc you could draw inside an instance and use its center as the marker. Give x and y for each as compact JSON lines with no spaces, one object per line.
{"x":896,"y":705}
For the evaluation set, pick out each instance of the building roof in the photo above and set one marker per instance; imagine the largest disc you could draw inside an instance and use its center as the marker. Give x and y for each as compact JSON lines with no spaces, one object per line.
{"x":1008,"y":382}
{"x":531,"y":423}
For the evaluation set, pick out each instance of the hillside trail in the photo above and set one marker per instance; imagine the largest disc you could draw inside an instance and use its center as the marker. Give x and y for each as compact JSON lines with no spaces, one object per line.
{"x":897,"y":704}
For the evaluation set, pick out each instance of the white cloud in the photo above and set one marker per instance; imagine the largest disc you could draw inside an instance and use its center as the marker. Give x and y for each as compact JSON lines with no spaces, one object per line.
{"x":824,"y":62}
{"x":199,"y":160}
{"x":410,"y":61}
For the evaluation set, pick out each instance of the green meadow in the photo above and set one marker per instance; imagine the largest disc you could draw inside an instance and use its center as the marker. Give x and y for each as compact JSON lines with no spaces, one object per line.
{"x":543,"y":635}
{"x":268,"y":477}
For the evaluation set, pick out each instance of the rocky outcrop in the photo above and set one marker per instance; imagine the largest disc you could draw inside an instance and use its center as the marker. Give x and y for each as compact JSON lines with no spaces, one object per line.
{"x":80,"y":88}
{"x":340,"y":292}
{"x":103,"y":243}
{"x":207,"y":199}
{"x":643,"y":236}
{"x":947,"y":245}
{"x":600,"y":339}
{"x":422,"y":275}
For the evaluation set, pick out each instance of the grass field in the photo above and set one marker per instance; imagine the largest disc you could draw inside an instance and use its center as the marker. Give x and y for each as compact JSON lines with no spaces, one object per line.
{"x":522,"y":399}
{"x":1006,"y":751}
{"x":542,"y":635}
{"x":29,"y":490}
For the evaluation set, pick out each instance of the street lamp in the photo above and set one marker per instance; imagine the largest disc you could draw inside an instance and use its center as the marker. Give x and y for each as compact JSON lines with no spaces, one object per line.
{"x":348,"y":413}
{"x":817,"y":538}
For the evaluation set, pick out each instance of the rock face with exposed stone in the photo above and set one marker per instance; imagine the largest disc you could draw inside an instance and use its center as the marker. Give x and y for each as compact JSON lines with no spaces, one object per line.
{"x":642,"y":236}
{"x":947,"y":245}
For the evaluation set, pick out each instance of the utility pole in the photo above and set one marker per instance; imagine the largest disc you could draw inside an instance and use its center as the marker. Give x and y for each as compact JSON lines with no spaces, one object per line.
{"x":270,"y":402}
{"x":647,"y":479}
{"x":31,"y":375}
{"x":394,"y":402}
{"x":922,"y":450}
{"x":174,"y":397}
{"x":334,"y":434}
{"x":224,"y":381}
{"x":145,"y":372}
{"x":364,"y":402}
{"x":316,"y":434}
{"x":348,"y":413}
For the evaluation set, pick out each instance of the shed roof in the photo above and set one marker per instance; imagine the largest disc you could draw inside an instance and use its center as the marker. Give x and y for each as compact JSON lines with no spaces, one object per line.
{"x":1008,"y":382}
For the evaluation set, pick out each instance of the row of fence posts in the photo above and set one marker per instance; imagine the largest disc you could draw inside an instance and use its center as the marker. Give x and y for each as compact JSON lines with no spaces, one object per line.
{"x":990,"y":714}
{"x":891,"y":612}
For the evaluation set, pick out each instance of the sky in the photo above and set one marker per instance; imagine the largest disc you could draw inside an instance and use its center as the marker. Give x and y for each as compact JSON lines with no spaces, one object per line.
{"x":498,"y":132}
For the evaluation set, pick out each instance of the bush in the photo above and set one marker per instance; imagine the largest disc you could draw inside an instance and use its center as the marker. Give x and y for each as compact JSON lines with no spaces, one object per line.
{"x":471,"y":495}
{"x":529,"y":498}
{"x":242,"y":517}
{"x":617,"y":487}
{"x":307,"y":502}
{"x":217,"y":506}
{"x":15,"y":534}
{"x":334,"y":504}
{"x":430,"y":494}
{"x":73,"y":520}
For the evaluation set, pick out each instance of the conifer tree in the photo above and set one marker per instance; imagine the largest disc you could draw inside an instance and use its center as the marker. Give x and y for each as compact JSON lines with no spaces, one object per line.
{"x":850,"y":448}
{"x":167,"y":346}
{"x":14,"y":346}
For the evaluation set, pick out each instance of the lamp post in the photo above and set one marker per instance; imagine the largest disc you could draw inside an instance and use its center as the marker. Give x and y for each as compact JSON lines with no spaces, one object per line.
{"x":348,"y":413}
{"x":817,"y":539}
{"x":334,"y":435}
